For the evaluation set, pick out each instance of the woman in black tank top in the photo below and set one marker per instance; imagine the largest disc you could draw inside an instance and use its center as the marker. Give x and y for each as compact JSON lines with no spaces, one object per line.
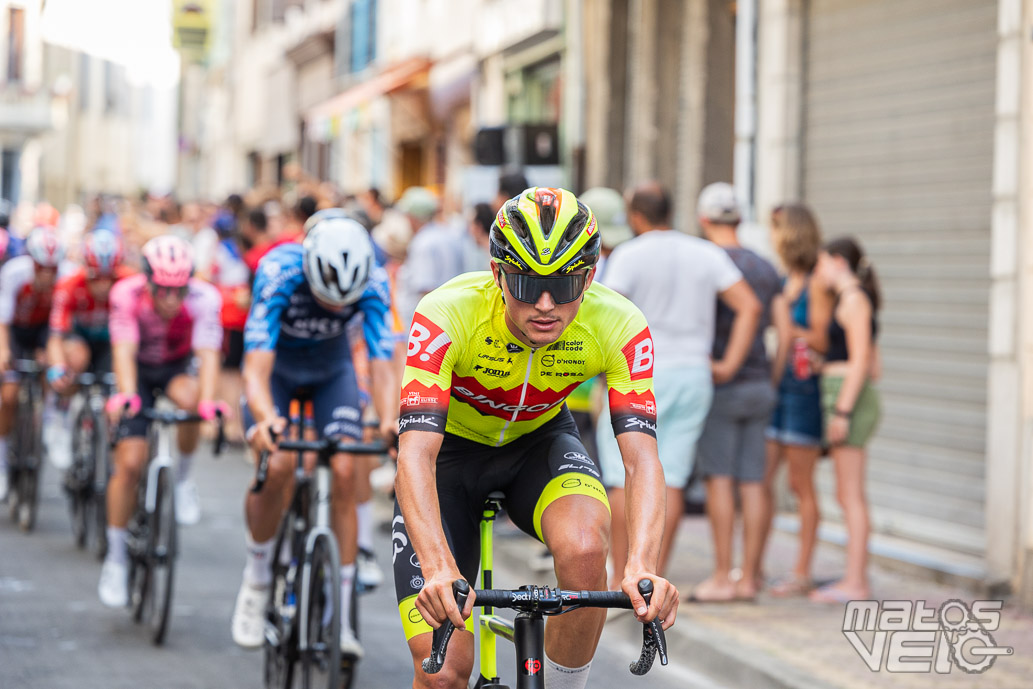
{"x":851,"y":406}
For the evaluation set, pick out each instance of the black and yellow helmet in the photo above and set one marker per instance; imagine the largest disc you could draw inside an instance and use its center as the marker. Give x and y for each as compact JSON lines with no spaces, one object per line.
{"x":545,"y":230}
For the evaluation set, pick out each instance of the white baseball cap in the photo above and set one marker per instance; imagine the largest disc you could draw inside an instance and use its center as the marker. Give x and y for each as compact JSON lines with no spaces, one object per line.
{"x":717,"y":203}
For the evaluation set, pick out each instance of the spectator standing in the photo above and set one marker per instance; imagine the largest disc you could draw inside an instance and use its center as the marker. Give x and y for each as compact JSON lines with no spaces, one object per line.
{"x":851,"y":405}
{"x":609,"y":209}
{"x":435,"y":254}
{"x":193,"y":227}
{"x":673,"y":278}
{"x":731,"y":446}
{"x":795,"y":431}
{"x":512,"y":181}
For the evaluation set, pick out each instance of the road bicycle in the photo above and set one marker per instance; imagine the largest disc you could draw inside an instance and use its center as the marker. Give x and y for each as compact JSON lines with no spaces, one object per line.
{"x":302,"y":616}
{"x":152,"y":542}
{"x":26,"y":450}
{"x":86,"y":480}
{"x":527,"y":630}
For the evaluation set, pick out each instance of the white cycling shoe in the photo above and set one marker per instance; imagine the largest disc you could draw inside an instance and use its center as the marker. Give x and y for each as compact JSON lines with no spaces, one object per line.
{"x":350,"y":645}
{"x":248,"y":626}
{"x":113,"y":588}
{"x":188,"y":503}
{"x":367,"y":572}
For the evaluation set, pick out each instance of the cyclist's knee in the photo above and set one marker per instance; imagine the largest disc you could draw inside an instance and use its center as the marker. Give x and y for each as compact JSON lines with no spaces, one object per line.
{"x":344,"y":470}
{"x":281,"y":469}
{"x":184,"y":391}
{"x":130,"y":463}
{"x":9,"y":395}
{"x":580,"y":555}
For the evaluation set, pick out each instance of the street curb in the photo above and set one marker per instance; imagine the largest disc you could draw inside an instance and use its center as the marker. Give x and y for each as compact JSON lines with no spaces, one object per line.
{"x":721,"y":660}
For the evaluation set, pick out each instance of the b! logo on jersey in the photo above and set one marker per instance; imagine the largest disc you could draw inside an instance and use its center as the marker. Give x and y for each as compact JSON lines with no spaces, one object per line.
{"x":639,"y":353}
{"x":428,"y":345}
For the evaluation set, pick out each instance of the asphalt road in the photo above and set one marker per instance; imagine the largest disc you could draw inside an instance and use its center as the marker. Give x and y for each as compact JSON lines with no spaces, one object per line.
{"x":55,"y":634}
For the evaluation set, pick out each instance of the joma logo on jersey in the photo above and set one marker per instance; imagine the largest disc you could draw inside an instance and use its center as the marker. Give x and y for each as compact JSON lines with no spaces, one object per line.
{"x":494,"y":372}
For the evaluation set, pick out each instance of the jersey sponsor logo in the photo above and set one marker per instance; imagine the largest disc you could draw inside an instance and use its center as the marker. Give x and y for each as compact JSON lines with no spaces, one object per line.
{"x":634,"y":423}
{"x":421,"y":419}
{"x":500,"y":405}
{"x":398,"y":538}
{"x":562,"y":374}
{"x":428,"y":345}
{"x":566,"y":346}
{"x":313,"y":328}
{"x":578,"y":467}
{"x":553,"y":360}
{"x":648,"y":407}
{"x":493,"y":372}
{"x":498,"y":359}
{"x":513,"y":348}
{"x":576,"y":457}
{"x":503,"y":403}
{"x":347,"y":413}
{"x":416,"y":583}
{"x":415,"y":399}
{"x":639,"y":354}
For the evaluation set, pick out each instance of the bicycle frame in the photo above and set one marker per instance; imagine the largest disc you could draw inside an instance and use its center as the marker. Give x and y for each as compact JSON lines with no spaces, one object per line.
{"x":489,"y":625}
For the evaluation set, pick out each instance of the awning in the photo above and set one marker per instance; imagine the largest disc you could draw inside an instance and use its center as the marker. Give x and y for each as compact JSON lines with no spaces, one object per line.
{"x":391,"y":79}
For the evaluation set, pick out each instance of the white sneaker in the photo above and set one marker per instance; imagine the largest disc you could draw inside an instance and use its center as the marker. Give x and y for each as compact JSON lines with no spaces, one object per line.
{"x":350,"y":646}
{"x":58,"y":440}
{"x":367,"y":571}
{"x":4,"y":485}
{"x":113,"y":588}
{"x":249,"y":616}
{"x":188,"y":503}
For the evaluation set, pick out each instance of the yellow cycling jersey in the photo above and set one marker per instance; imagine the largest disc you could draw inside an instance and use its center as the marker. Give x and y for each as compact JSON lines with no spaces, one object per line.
{"x":468,"y":375}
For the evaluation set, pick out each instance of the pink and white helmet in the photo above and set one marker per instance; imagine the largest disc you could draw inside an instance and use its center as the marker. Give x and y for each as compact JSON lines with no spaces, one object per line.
{"x":168,"y":261}
{"x":45,"y":247}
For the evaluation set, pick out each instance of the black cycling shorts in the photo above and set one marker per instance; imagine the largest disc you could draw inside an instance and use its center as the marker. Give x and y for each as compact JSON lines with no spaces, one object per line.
{"x":150,"y":382}
{"x":532,"y":471}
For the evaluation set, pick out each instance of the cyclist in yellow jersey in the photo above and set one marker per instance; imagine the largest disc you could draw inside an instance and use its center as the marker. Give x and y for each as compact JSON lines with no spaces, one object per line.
{"x":491,"y":359}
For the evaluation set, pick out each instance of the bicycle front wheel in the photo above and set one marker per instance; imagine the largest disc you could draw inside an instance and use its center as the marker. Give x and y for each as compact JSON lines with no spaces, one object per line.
{"x":29,"y":426}
{"x":321,"y":609}
{"x":79,"y":479}
{"x":99,"y":495}
{"x":162,"y":555}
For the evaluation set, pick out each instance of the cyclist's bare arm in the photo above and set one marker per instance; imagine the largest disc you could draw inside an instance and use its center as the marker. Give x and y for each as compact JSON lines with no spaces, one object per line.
{"x":645,"y":500}
{"x":385,"y":395}
{"x":258,"y":368}
{"x":208,"y":375}
{"x":418,"y":498}
{"x":123,"y":363}
{"x":55,"y":349}
{"x":5,"y":346}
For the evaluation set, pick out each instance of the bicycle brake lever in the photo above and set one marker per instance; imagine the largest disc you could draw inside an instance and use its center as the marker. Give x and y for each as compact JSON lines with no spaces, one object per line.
{"x":262,"y":473}
{"x":439,"y":644}
{"x":653,"y":640}
{"x":220,"y":433}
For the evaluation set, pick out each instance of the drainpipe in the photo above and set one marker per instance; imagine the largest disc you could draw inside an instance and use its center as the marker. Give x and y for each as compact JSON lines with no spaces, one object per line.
{"x":746,"y":106}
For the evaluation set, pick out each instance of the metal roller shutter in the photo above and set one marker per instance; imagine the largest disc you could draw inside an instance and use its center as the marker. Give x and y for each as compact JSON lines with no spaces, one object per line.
{"x":898,"y":132}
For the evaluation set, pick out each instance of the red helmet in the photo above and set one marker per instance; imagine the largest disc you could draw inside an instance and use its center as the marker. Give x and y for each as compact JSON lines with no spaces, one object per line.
{"x":102,"y":251}
{"x":168,"y":261}
{"x":45,"y":247}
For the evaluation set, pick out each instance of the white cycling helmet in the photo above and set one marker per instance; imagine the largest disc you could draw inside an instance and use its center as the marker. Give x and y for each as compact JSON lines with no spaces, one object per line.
{"x":338,"y":257}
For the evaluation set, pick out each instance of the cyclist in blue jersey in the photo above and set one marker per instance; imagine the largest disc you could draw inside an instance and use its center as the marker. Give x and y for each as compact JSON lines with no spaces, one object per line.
{"x":294,"y":340}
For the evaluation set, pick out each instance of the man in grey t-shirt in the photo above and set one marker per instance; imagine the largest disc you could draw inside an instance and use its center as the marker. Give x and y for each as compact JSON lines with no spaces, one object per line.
{"x":674,"y":279}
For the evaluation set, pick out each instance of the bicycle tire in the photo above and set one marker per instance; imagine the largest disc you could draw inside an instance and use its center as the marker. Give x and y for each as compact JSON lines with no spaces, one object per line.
{"x":162,"y":555}
{"x":79,"y":479}
{"x":321,"y":589}
{"x":99,"y":489}
{"x":280,"y":641}
{"x":29,"y":418}
{"x":349,"y":665}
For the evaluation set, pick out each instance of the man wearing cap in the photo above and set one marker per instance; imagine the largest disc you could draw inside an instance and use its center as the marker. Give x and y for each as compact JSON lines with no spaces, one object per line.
{"x":674,"y":279}
{"x":435,"y":254}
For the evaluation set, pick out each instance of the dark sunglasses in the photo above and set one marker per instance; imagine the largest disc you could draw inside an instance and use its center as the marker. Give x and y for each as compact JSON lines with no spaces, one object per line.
{"x":161,"y":292}
{"x":563,"y":288}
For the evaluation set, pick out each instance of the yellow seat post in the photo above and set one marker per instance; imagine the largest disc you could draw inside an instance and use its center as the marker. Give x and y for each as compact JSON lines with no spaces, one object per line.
{"x":488,"y":658}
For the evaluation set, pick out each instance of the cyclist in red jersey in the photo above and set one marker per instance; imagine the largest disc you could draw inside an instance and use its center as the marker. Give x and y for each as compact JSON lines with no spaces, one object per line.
{"x":26,"y":291}
{"x":159,"y":321}
{"x":78,"y":337}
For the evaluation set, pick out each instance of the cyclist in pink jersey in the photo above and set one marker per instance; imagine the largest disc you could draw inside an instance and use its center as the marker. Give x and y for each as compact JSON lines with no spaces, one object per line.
{"x":159,"y":321}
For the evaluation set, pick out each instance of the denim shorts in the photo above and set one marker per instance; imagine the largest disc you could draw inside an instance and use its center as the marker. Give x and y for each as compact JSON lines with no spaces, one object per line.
{"x":797,"y":417}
